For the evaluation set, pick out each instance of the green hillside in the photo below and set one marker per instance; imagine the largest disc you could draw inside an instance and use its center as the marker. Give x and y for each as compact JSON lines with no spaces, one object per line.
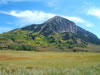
{"x":56,"y":33}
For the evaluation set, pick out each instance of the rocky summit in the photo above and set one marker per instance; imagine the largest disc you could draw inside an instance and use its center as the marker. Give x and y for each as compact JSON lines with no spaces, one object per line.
{"x":60,"y":25}
{"x":56,"y":24}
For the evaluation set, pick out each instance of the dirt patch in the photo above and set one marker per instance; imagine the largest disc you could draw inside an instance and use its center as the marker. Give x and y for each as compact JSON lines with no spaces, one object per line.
{"x":4,"y":57}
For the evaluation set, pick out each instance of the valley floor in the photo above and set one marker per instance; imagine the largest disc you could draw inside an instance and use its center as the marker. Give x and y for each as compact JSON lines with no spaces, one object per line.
{"x":49,"y":63}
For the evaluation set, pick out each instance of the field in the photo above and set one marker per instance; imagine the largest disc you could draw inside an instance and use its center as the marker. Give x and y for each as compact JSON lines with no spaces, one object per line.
{"x":49,"y":63}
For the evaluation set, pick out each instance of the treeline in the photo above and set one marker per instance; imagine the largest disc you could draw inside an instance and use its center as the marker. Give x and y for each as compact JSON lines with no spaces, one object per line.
{"x":18,"y":47}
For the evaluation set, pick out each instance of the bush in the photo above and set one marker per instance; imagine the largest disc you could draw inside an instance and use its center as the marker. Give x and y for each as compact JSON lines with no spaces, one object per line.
{"x":1,"y":47}
{"x":12,"y":46}
{"x":70,"y":46}
{"x":21,"y":47}
{"x":51,"y":39}
{"x":27,"y":47}
{"x":66,"y":36}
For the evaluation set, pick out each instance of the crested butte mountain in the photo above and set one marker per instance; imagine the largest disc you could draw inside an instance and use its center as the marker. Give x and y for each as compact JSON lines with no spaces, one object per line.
{"x":56,"y":33}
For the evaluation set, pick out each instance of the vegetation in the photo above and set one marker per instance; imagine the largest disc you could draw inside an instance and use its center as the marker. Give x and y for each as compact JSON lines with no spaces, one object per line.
{"x":56,"y":32}
{"x":23,"y":39}
{"x":48,"y":63}
{"x":21,"y":47}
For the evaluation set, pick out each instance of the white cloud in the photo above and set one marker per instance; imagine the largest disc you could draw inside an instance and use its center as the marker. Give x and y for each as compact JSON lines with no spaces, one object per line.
{"x":79,"y":20}
{"x":94,"y":12}
{"x":6,"y":1}
{"x":5,"y":29}
{"x":29,"y":17}
{"x":88,"y":24}
{"x":53,"y":3}
{"x":75,"y":19}
{"x":33,"y":17}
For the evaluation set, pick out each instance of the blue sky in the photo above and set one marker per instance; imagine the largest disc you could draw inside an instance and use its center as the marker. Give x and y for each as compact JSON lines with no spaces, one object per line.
{"x":19,"y":13}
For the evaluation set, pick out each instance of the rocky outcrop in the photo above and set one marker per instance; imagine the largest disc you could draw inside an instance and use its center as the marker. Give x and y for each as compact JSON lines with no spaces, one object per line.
{"x":60,"y":25}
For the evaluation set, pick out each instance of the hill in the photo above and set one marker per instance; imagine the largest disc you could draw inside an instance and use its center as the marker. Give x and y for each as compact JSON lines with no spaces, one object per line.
{"x":57,"y":33}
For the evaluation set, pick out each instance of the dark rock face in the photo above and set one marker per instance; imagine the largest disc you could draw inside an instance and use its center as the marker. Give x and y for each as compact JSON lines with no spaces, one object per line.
{"x":60,"y":25}
{"x":55,"y":24}
{"x":31,"y":27}
{"x":87,"y":36}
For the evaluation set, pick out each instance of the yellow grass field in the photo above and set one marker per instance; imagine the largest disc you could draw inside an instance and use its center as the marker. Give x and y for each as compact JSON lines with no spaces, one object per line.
{"x":49,"y":63}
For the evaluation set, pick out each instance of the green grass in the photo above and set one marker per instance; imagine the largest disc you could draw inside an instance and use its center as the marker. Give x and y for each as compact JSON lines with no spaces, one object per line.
{"x":49,"y":63}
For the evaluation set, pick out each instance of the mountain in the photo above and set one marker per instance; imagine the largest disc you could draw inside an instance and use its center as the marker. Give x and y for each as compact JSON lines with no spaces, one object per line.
{"x":56,"y":32}
{"x":59,"y":24}
{"x":55,"y":24}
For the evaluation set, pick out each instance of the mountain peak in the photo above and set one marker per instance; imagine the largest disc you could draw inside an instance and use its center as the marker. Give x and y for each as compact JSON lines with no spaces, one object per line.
{"x":58,"y":17}
{"x":55,"y":18}
{"x":60,"y":25}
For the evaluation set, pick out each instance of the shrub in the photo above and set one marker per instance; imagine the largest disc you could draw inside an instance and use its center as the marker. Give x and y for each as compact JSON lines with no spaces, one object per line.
{"x":1,"y":47}
{"x":27,"y":47}
{"x":12,"y":46}
{"x":51,"y":39}
{"x":21,"y":47}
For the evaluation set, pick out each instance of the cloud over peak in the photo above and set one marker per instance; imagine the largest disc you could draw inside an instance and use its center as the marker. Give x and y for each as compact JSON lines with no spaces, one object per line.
{"x":34,"y":17}
{"x":94,"y":12}
{"x":6,"y":1}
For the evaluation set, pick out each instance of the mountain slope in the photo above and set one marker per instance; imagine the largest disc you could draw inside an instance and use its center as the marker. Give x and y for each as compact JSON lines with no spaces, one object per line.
{"x":60,"y":25}
{"x":56,"y":32}
{"x":55,"y":24}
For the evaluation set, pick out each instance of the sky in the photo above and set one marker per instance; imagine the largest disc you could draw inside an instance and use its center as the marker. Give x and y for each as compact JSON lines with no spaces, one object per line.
{"x":19,"y":13}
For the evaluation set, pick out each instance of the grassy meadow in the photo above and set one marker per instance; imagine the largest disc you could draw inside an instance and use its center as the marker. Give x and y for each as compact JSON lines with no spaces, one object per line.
{"x":49,"y":63}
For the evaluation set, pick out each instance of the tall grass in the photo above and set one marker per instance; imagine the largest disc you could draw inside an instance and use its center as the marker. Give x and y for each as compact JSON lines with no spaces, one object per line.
{"x":87,"y":70}
{"x":49,"y":63}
